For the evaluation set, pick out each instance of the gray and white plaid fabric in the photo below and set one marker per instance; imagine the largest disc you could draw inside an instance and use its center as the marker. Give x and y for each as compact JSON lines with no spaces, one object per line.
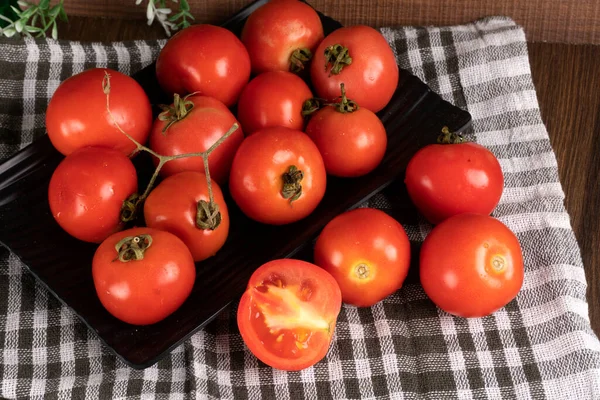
{"x":538,"y":346}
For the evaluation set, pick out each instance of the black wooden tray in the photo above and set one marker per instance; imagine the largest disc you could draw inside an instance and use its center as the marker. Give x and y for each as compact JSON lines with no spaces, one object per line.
{"x":413,"y":119}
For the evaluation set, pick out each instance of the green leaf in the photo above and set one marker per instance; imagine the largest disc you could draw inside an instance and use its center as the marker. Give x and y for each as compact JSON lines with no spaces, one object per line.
{"x":54,"y":10}
{"x":9,"y":32}
{"x":19,"y":26}
{"x":5,"y":19}
{"x":44,"y":4}
{"x":54,"y":31}
{"x":62,"y":14}
{"x":7,"y":12}
{"x":32,"y":29}
{"x":184,"y":5}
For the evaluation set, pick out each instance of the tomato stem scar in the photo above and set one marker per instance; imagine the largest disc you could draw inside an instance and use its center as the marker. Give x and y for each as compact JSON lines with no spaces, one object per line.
{"x":362,"y":271}
{"x":207,"y":217}
{"x":498,"y":263}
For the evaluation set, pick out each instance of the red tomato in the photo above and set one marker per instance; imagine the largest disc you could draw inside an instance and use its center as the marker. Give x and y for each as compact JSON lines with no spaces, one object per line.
{"x":282,"y":35}
{"x":173,"y":206}
{"x":352,"y":143}
{"x":277,"y":176}
{"x":273,"y":99}
{"x":204,"y":58}
{"x":87,"y":190}
{"x":145,"y":288}
{"x":206,"y":122}
{"x":367,"y":67}
{"x":471,"y":265}
{"x":449,"y":179}
{"x":287,"y":315}
{"x":368,"y":254}
{"x":77,"y":117}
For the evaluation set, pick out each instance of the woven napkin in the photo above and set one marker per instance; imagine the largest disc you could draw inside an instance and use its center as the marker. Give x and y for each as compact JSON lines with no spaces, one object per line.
{"x":539,"y":346}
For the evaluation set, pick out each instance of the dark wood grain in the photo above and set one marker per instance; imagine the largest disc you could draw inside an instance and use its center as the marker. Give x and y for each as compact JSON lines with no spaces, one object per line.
{"x":576,"y":21}
{"x":567,"y":78}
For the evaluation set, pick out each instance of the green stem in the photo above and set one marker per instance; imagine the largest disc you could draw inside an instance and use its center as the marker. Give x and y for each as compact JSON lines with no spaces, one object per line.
{"x":131,"y":209}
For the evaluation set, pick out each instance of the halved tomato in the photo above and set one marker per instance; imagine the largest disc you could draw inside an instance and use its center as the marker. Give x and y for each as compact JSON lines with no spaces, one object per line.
{"x":287,"y":314}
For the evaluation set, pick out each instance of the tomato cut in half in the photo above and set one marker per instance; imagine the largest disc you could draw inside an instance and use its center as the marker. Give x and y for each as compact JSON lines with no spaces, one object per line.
{"x":288,"y":313}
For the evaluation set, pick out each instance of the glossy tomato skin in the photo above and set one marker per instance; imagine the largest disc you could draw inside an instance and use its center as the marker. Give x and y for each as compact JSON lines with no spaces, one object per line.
{"x":256,"y":181}
{"x":370,"y":79}
{"x":471,"y":265}
{"x":288,"y":313}
{"x":367,"y":252}
{"x":87,"y":190}
{"x":143,"y":292}
{"x":449,"y":179}
{"x":204,"y":58}
{"x":273,"y":99}
{"x":206,"y":123}
{"x":352,"y":144}
{"x":77,"y":117}
{"x":172,"y":205}
{"x":275,"y":30}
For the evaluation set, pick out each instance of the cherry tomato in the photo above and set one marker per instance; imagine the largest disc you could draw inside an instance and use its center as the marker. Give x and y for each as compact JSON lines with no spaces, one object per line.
{"x":143,"y":275}
{"x":277,"y":176}
{"x":177,"y":205}
{"x":471,"y":265}
{"x":87,"y":190}
{"x":361,"y":58}
{"x":287,"y":315}
{"x":273,"y":99}
{"x":368,"y":254}
{"x":204,"y":58}
{"x":196,"y":131}
{"x":449,"y":179}
{"x":77,"y":116}
{"x":282,"y":35}
{"x":351,"y":139}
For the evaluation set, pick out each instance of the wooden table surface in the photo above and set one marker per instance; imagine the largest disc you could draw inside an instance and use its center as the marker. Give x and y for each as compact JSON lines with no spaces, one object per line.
{"x":567,"y":80}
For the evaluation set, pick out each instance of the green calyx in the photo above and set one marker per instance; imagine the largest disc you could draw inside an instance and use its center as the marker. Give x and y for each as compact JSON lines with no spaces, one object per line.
{"x":447,"y":137}
{"x":132,"y":248}
{"x":336,"y":56}
{"x":292,"y":186}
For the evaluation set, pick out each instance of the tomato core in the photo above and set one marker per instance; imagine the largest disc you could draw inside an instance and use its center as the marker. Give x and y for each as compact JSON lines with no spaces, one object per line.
{"x":283,"y":316}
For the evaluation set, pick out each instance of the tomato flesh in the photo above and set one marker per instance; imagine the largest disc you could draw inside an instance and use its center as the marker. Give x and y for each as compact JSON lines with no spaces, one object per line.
{"x":287,"y":315}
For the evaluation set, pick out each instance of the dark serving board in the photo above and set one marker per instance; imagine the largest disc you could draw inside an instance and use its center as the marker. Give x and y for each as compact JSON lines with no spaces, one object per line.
{"x":413,"y":119}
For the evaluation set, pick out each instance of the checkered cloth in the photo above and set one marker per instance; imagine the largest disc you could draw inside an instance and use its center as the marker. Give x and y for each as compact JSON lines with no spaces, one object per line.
{"x":538,"y":346}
